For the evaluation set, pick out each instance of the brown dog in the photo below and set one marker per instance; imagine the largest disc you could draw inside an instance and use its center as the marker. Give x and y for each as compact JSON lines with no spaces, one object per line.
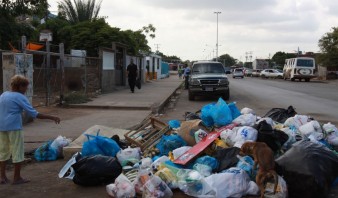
{"x":263,"y":156}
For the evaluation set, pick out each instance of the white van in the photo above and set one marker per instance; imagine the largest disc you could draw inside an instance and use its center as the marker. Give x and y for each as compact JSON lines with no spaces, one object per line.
{"x":299,"y":68}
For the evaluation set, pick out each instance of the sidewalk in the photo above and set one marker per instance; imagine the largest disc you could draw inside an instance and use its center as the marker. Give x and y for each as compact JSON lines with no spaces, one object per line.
{"x":120,"y":109}
{"x":149,"y":97}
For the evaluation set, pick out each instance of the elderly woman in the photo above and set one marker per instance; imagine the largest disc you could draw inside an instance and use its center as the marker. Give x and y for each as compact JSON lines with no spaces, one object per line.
{"x":12,"y":103}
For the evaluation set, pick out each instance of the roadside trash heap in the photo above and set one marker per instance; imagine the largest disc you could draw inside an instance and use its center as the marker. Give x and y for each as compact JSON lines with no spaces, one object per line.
{"x":200,"y":156}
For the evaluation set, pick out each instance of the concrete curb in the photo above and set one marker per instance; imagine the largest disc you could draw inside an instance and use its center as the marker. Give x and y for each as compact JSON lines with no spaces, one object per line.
{"x":161,"y":106}
{"x":130,"y":108}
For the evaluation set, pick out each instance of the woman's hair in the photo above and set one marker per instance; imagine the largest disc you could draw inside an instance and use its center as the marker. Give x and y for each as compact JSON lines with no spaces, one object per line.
{"x":18,"y":81}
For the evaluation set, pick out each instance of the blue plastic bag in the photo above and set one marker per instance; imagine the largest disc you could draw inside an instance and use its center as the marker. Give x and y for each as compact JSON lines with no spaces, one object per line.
{"x":45,"y":153}
{"x":209,"y":161}
{"x":174,"y":124}
{"x":169,"y":143}
{"x":221,"y":113}
{"x":99,"y":145}
{"x":234,"y":110}
{"x":246,"y":163}
{"x":206,"y":115}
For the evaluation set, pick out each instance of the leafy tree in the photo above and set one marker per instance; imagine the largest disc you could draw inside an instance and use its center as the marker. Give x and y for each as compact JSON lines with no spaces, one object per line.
{"x":149,"y":30}
{"x":227,"y":60}
{"x":80,"y":10}
{"x":328,"y":45}
{"x":279,"y":57}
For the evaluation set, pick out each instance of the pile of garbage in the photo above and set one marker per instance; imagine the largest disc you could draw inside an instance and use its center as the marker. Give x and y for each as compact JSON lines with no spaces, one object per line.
{"x":207,"y":155}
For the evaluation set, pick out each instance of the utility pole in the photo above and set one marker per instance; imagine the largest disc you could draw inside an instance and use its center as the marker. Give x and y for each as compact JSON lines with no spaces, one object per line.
{"x":157,"y":47}
{"x":62,"y":56}
{"x":217,"y":13}
{"x":47,"y":76}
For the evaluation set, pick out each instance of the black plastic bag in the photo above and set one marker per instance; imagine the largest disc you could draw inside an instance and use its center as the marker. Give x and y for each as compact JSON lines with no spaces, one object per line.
{"x":273,"y":138}
{"x":226,"y":158}
{"x":96,"y":170}
{"x":308,"y":169}
{"x":138,"y":83}
{"x":281,"y":115}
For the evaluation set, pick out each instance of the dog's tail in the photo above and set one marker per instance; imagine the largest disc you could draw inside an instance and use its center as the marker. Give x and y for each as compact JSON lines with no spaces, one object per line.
{"x":274,"y":174}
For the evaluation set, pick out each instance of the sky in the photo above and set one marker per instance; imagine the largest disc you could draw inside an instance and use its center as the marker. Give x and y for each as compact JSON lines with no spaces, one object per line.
{"x":188,"y":28}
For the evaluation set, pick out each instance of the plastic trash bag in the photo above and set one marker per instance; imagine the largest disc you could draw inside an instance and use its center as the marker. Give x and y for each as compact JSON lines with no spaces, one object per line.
{"x":332,"y":132}
{"x":96,"y":170}
{"x":46,"y":152}
{"x":180,"y":151}
{"x":143,"y":176}
{"x":309,"y":128}
{"x":204,"y":170}
{"x":188,"y":129}
{"x":67,"y":170}
{"x":229,"y":136}
{"x":155,"y":187}
{"x":157,"y":162}
{"x":124,"y":156}
{"x":247,"y":110}
{"x":122,"y":188}
{"x":246,"y":120}
{"x":291,"y":140}
{"x":191,"y":116}
{"x":227,"y":158}
{"x":308,"y":168}
{"x":209,"y":161}
{"x":233,"y":182}
{"x":267,"y":120}
{"x":206,"y":116}
{"x":281,"y":191}
{"x":192,"y":183}
{"x":169,"y":143}
{"x":296,"y":121}
{"x":168,"y":177}
{"x":99,"y":145}
{"x":221,"y":113}
{"x":199,"y":135}
{"x":174,"y":124}
{"x":281,"y":115}
{"x":234,"y":110}
{"x":59,"y":143}
{"x":244,"y":134}
{"x":246,"y":163}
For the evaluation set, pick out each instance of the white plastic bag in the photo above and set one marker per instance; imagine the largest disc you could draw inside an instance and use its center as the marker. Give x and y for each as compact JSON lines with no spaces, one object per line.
{"x":122,"y":188}
{"x":246,"y":133}
{"x":68,"y":168}
{"x":155,"y":187}
{"x":180,"y":151}
{"x":330,"y":128}
{"x":309,"y":128}
{"x":229,"y":136}
{"x":59,"y":143}
{"x":247,"y":110}
{"x":203,"y":169}
{"x":192,"y":183}
{"x":281,"y":191}
{"x":296,"y":121}
{"x":233,"y":182}
{"x":245,"y":120}
{"x":159,"y":161}
{"x":128,"y":153}
{"x":199,"y":135}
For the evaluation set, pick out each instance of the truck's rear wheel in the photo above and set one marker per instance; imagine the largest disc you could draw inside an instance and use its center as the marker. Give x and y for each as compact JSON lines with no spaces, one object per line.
{"x":226,"y":95}
{"x":307,"y":79}
{"x":292,"y":79}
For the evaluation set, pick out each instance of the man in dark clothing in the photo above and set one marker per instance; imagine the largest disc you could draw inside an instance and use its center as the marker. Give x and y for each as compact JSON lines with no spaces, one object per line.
{"x":132,"y":75}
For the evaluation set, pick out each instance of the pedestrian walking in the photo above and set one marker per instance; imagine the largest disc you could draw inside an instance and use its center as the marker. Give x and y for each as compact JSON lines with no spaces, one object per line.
{"x":180,"y":72}
{"x":12,"y":104}
{"x":132,"y":75}
{"x":186,"y":76}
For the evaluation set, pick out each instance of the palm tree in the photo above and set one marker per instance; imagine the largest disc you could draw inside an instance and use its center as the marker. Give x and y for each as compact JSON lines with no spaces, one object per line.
{"x":80,"y":10}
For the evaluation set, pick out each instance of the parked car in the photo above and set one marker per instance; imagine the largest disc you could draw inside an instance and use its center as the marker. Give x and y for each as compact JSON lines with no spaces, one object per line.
{"x":248,"y":72}
{"x":238,"y":73}
{"x":271,"y":73}
{"x":208,"y":78}
{"x":256,"y":73}
{"x":227,"y":70}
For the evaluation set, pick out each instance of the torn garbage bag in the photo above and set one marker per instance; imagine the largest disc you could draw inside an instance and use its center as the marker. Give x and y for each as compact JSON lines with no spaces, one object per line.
{"x":308,"y":168}
{"x":96,"y":170}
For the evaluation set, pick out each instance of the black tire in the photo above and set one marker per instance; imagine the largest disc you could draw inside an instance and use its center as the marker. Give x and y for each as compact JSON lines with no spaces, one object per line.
{"x":292,"y":79}
{"x":263,"y":76}
{"x":191,"y":96}
{"x":242,"y":76}
{"x":307,"y":79}
{"x":226,"y":95}
{"x":280,"y":77}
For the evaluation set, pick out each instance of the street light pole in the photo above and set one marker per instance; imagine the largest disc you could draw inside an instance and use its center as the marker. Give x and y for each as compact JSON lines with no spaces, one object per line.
{"x":217,"y":13}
